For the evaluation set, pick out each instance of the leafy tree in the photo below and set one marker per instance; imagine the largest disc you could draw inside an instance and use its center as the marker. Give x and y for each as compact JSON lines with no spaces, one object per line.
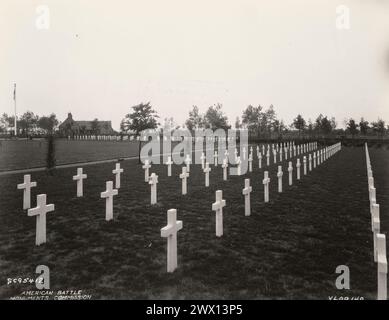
{"x":195,"y":120}
{"x":48,"y":123}
{"x":142,"y":117}
{"x":267,"y":119}
{"x":6,"y":122}
{"x":324,"y":125}
{"x":352,"y":127}
{"x":379,"y":127}
{"x":299,"y":123}
{"x":238,"y":125}
{"x":251,"y":118}
{"x":215,"y":118}
{"x":364,"y":126}
{"x":28,"y":122}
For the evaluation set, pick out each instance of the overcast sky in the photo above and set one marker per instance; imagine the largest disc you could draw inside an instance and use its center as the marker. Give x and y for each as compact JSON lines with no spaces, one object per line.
{"x":98,"y":58}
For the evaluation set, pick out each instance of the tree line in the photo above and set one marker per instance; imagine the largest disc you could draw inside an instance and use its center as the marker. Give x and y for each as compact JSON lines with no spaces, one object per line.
{"x":259,"y":121}
{"x":29,"y":123}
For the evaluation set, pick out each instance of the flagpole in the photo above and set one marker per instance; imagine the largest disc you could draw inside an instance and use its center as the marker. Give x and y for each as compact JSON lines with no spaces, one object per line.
{"x":16,"y":119}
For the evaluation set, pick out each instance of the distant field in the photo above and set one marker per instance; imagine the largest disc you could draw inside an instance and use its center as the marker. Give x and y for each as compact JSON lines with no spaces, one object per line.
{"x":32,"y":153}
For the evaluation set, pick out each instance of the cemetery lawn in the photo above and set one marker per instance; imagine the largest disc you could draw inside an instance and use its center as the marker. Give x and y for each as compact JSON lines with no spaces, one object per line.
{"x":288,"y":248}
{"x":21,"y":154}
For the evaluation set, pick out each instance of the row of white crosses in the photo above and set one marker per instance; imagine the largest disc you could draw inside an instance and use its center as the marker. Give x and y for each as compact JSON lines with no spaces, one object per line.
{"x":289,"y":148}
{"x":173,"y":226}
{"x":379,"y":240}
{"x":42,"y":208}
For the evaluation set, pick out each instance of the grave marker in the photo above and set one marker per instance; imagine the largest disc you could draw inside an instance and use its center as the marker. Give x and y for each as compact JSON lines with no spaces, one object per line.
{"x":225,"y":166}
{"x":183,"y":176}
{"x":246,"y":192}
{"x":298,"y":165}
{"x":290,"y":170}
{"x":146,"y":167}
{"x":117,"y":171}
{"x":202,"y":160}
{"x":382,"y":267}
{"x":153,"y":180}
{"x":79,"y":178}
{"x":170,"y":232}
{"x":188,"y":162}
{"x":266,"y":182}
{"x":279,"y":175}
{"x":26,"y":187}
{"x":250,"y":162}
{"x":169,"y":166}
{"x":218,"y":208}
{"x":108,"y":194}
{"x":40,"y":212}
{"x":207,"y":170}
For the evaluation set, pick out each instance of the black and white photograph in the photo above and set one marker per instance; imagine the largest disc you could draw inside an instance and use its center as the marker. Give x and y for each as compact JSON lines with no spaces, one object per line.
{"x":213,"y":151}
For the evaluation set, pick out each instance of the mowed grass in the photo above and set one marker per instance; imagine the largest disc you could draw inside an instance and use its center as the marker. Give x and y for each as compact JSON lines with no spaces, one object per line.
{"x":288,"y":248}
{"x":24,"y":154}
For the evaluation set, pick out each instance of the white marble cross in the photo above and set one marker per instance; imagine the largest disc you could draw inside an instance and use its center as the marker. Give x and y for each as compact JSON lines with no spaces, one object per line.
{"x":382,"y":267}
{"x":188,"y":162}
{"x":153,"y":180}
{"x":251,"y":149}
{"x":266,"y":182}
{"x":279,"y":175}
{"x":260,"y":160}
{"x":79,"y":178}
{"x":146,"y":168}
{"x":26,"y":187}
{"x":239,"y":163}
{"x":246,"y":192}
{"x":314,"y":159}
{"x":268,"y":157}
{"x":218,"y":208}
{"x":169,"y":166}
{"x":226,"y":154}
{"x":290,"y":152}
{"x":281,"y":154}
{"x":170,"y":232}
{"x":275,"y":156}
{"x":215,"y":158}
{"x":244,"y":153}
{"x":298,"y":165}
{"x":286,"y":153}
{"x":202,"y":158}
{"x":310,"y":162}
{"x":40,"y":212}
{"x":263,"y":149}
{"x":117,"y":171}
{"x":225,"y":166}
{"x":290,"y":170}
{"x":207,"y":170}
{"x":305,"y":165}
{"x":375,"y":226}
{"x":108,"y":194}
{"x":257,"y":151}
{"x":183,"y":176}
{"x":372,"y":196}
{"x":250,"y":162}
